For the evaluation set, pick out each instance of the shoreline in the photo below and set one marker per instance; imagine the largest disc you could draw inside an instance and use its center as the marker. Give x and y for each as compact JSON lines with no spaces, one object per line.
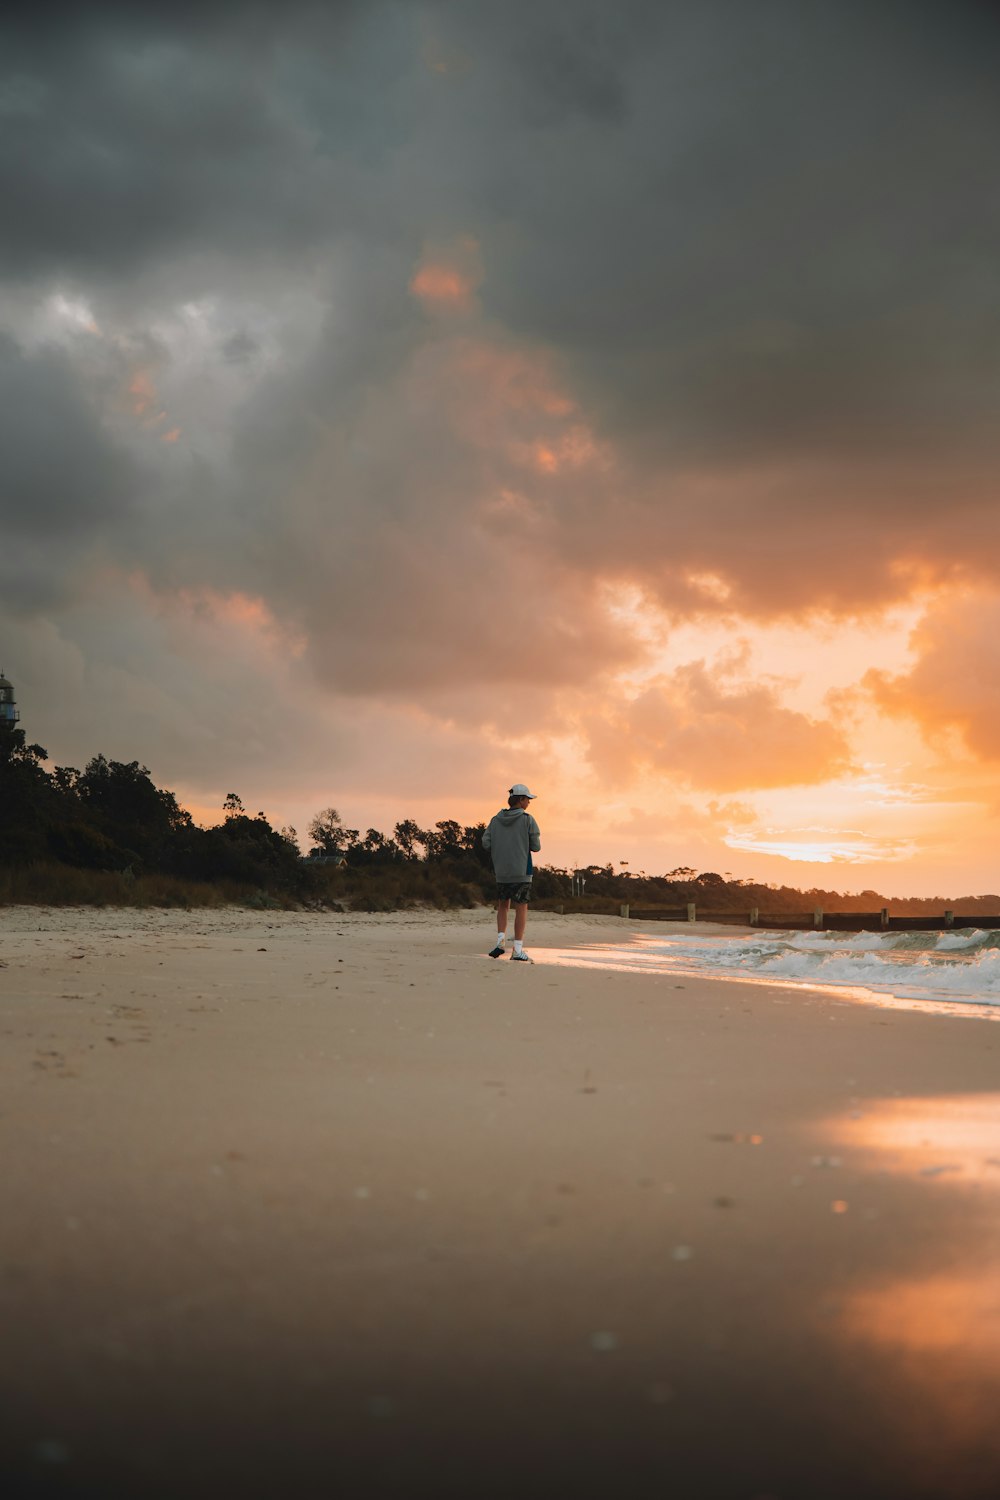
{"x":308,"y":1200}
{"x":562,"y":932}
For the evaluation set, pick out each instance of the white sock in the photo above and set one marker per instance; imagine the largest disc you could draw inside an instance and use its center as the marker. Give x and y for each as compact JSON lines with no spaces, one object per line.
{"x":501,"y":939}
{"x":517,"y":945}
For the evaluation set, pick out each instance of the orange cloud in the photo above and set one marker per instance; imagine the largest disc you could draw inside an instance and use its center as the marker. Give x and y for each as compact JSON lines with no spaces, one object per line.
{"x":246,"y":611}
{"x":143,"y":393}
{"x":439,"y":283}
{"x":822,"y":845}
{"x":952,"y":685}
{"x":713,"y":734}
{"x":246,"y":614}
{"x":573,"y":449}
{"x":515,"y":378}
{"x":145,"y":403}
{"x":446,"y":281}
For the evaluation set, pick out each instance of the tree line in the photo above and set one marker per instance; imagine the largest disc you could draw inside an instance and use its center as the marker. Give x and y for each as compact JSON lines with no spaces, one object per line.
{"x":111,"y":817}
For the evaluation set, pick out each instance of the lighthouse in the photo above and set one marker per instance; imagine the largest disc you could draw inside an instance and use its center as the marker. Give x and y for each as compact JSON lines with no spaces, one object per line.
{"x":8,"y":708}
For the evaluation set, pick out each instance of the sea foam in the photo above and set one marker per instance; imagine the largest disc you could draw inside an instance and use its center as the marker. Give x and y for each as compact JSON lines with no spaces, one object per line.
{"x":951,"y":967}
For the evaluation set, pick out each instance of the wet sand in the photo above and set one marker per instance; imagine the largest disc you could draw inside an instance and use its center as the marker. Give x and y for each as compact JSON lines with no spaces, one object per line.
{"x":317,"y":1205}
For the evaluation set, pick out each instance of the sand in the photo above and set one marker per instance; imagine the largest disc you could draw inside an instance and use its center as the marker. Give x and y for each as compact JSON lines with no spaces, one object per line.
{"x":330,"y":1205}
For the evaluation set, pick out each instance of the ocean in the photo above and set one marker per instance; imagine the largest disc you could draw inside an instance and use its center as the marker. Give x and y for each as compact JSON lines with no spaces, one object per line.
{"x":945,"y":970}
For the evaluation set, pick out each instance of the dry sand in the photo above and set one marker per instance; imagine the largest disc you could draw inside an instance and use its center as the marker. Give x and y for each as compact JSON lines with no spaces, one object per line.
{"x":331,"y":1205}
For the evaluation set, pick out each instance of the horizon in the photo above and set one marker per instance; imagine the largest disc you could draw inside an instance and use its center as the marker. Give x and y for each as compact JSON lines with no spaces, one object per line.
{"x":407,"y":397}
{"x":205,"y":818}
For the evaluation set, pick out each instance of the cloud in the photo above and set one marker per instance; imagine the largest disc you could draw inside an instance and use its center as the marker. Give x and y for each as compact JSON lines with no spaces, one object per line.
{"x":156,"y":131}
{"x":411,"y":483}
{"x":713,"y":731}
{"x":430,"y":327}
{"x":823,"y":845}
{"x":952,"y":684}
{"x":66,"y":484}
{"x":446,"y":280}
{"x":758,"y":260}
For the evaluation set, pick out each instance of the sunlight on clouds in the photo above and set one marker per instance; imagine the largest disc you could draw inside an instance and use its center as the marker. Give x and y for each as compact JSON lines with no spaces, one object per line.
{"x":142,"y":390}
{"x":438,"y":283}
{"x":822,"y":846}
{"x":248,"y":615}
{"x":76,"y":313}
{"x":741,"y":496}
{"x":512,"y":378}
{"x":811,"y":658}
{"x":144,"y":398}
{"x":741,"y":705}
{"x":949,"y":685}
{"x":715,"y":727}
{"x":880,"y":791}
{"x":574,"y":449}
{"x":710,"y":585}
{"x":446,"y":280}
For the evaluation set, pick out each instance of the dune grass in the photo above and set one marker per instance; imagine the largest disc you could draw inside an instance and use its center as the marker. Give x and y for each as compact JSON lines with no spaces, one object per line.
{"x":51,"y":884}
{"x":373,"y":889}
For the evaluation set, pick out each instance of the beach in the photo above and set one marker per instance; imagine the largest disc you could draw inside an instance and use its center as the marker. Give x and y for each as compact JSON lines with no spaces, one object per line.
{"x":318,"y":1203}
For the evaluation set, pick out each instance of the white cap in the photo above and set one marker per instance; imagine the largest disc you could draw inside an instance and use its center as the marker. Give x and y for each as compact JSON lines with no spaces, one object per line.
{"x":520,"y":790}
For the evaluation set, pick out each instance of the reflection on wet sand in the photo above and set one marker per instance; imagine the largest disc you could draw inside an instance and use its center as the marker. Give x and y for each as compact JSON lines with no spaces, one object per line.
{"x":950,"y":1141}
{"x":938,"y":1328}
{"x":952,"y":1311}
{"x":953,"y":1136}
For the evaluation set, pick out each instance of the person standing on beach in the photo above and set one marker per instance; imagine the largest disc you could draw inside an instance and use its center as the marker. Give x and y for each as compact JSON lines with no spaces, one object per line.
{"x":512,"y":837}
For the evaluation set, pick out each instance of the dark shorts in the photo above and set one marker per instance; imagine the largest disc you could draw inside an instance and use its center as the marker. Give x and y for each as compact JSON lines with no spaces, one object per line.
{"x":518,"y":892}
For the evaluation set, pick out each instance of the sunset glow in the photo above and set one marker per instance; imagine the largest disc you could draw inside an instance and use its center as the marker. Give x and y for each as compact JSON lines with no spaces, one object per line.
{"x":505,"y":425}
{"x":449,"y":281}
{"x":500,"y":748}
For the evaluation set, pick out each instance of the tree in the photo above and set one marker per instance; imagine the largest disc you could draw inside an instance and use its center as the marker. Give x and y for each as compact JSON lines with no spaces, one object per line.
{"x":407,"y":834}
{"x":240,"y":848}
{"x":446,"y":842}
{"x":472,"y":842}
{"x":126,"y":807}
{"x":27,"y":798}
{"x":67,"y":779}
{"x":329,"y":835}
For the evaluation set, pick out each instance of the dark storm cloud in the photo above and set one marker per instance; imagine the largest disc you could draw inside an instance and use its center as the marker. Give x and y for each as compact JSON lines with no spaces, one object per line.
{"x":787,"y":244}
{"x":753,"y":246}
{"x":133,"y":134}
{"x":239,"y":347}
{"x":371,"y":504}
{"x":64,"y":485}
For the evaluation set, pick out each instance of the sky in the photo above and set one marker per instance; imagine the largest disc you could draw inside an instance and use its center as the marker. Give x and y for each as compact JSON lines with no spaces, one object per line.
{"x":400,"y":400}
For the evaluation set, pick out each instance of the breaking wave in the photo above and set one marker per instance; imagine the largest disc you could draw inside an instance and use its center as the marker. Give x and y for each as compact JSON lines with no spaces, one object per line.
{"x":959,"y":967}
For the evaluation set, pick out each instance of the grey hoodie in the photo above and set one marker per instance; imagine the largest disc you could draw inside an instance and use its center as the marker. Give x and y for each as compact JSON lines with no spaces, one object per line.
{"x":511,"y":838}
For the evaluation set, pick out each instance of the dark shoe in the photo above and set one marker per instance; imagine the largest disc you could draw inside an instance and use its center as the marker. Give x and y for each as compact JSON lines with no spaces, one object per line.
{"x":498,"y":951}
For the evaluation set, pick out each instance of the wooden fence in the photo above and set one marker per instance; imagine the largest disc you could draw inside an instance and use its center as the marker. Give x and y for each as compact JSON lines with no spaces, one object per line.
{"x":815,"y":921}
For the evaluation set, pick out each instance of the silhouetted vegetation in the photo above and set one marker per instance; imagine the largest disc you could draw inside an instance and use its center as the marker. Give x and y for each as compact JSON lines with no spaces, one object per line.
{"x":108,"y":835}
